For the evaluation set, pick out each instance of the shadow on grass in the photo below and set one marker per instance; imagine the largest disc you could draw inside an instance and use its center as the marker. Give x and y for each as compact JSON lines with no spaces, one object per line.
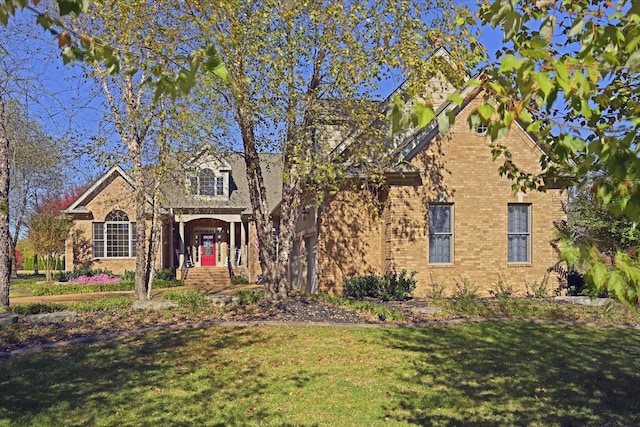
{"x":518,"y":373}
{"x":152,"y":379}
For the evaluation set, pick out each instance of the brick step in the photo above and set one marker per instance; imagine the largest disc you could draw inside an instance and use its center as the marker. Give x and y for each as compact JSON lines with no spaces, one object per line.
{"x":208,"y":276}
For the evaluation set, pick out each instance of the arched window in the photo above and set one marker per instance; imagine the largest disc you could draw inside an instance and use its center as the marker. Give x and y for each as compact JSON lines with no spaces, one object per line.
{"x":115,"y":237}
{"x":207,"y":183}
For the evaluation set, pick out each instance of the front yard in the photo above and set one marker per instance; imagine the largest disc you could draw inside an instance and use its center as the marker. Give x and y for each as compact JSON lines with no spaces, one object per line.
{"x":528,"y":371}
{"x":489,"y":374}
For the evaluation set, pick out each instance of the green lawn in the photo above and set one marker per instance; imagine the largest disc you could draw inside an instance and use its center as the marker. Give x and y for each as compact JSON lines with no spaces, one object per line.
{"x":480,"y":374}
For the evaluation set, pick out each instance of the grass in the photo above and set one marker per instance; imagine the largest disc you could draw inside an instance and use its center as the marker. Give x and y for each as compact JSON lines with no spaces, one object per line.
{"x":533,"y":308}
{"x":481,"y":374}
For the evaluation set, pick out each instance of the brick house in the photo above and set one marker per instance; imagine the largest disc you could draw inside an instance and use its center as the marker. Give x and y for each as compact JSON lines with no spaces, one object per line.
{"x":446,"y":214}
{"x":206,"y":215}
{"x":443,"y":212}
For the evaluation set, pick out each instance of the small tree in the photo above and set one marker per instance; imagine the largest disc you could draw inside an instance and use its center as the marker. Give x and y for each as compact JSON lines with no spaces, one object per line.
{"x":48,"y":231}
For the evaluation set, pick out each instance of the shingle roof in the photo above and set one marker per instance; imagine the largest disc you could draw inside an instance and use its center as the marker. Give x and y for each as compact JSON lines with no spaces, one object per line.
{"x":177,"y":196}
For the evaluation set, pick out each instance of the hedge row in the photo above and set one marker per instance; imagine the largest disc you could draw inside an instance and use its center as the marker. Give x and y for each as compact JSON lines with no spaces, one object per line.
{"x":58,"y":263}
{"x":44,"y":290}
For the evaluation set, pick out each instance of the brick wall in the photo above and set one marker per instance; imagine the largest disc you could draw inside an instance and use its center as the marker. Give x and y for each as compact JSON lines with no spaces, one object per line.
{"x":114,"y":194}
{"x":457,"y":169}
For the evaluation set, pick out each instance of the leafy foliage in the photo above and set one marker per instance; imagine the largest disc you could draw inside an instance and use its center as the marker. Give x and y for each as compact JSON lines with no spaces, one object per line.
{"x":538,"y":289}
{"x":570,"y":75}
{"x":390,"y":287}
{"x":164,"y":274}
{"x":190,"y":298}
{"x":249,"y":297}
{"x":361,"y":306}
{"x":239,"y":280}
{"x":465,"y":290}
{"x":48,"y":231}
{"x":502,"y":288}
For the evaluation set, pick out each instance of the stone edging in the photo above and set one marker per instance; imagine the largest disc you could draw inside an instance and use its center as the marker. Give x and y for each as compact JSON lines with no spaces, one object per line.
{"x":201,"y":325}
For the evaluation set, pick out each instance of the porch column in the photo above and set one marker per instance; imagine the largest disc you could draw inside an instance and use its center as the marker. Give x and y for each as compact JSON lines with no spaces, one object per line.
{"x":232,"y":243}
{"x":181,"y":231}
{"x":172,"y":249}
{"x":243,"y":239}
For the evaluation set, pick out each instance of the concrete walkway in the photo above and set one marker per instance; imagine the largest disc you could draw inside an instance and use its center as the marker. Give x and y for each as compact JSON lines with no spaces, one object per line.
{"x":156,"y":294}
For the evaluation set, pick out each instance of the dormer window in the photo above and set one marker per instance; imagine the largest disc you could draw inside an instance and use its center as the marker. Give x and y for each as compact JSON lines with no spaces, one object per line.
{"x":208,"y":183}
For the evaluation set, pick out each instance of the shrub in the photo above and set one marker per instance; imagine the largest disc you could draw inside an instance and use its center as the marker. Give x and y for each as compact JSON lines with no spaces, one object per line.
{"x":189,"y":298}
{"x":164,"y":274}
{"x":239,"y":280}
{"x":465,"y":290}
{"x":502,"y":288}
{"x":29,"y":264}
{"x":538,"y":290}
{"x":128,"y":276}
{"x":360,"y":287}
{"x":249,"y":297}
{"x":76,"y":288}
{"x":95,"y":280}
{"x":87,"y":271}
{"x":102,"y":304}
{"x":391,"y":287}
{"x":397,"y":287}
{"x":434,"y":289}
{"x":35,"y":308}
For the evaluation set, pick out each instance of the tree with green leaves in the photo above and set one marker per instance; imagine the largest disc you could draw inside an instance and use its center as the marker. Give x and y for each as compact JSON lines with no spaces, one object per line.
{"x":48,"y":232}
{"x":591,"y":222}
{"x":294,"y":66}
{"x":569,"y":73}
{"x":146,"y":45}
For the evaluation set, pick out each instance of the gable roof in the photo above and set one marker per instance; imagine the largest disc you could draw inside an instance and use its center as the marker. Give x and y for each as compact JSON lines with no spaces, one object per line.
{"x":78,"y":206}
{"x":402,"y":91}
{"x":175,"y":191}
{"x":177,"y":195}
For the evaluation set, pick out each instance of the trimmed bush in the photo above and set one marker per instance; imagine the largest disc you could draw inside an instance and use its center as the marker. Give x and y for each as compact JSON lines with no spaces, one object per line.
{"x":44,"y":290}
{"x":164,"y":274}
{"x":391,"y":287}
{"x":360,"y":287}
{"x":239,"y":280}
{"x":397,"y":287}
{"x":58,"y":263}
{"x":88,"y":271}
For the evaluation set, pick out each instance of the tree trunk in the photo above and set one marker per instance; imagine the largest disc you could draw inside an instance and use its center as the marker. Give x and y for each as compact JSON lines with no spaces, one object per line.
{"x":141,"y":284}
{"x":261,"y":213}
{"x":36,"y":269}
{"x":154,"y":239}
{"x":13,"y":262}
{"x":4,"y":209}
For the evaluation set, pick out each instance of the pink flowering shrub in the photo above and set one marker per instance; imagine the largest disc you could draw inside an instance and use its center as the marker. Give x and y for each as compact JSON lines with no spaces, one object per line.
{"x":98,"y":279}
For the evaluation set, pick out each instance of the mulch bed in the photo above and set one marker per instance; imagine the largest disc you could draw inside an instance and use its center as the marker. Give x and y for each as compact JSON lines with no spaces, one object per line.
{"x":297,"y":309}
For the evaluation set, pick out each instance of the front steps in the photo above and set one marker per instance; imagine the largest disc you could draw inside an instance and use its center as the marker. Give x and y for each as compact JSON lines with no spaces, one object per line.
{"x":207,"y":277}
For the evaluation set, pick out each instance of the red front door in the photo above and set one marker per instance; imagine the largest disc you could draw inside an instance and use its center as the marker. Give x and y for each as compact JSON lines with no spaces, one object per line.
{"x":208,"y":250}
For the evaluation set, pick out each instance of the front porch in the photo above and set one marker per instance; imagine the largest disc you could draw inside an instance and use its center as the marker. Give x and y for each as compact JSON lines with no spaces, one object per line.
{"x":212,"y":244}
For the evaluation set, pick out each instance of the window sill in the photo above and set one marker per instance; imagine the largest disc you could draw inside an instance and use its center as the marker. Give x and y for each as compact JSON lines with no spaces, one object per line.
{"x":210,"y":197}
{"x":441,"y":265}
{"x":519,"y":264}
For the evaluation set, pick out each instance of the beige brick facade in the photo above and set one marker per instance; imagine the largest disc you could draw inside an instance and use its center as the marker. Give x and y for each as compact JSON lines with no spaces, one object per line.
{"x":458,"y":170}
{"x":114,"y":193}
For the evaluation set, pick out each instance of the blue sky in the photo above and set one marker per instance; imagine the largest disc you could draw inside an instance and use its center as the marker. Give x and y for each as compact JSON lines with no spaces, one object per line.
{"x":63,"y":100}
